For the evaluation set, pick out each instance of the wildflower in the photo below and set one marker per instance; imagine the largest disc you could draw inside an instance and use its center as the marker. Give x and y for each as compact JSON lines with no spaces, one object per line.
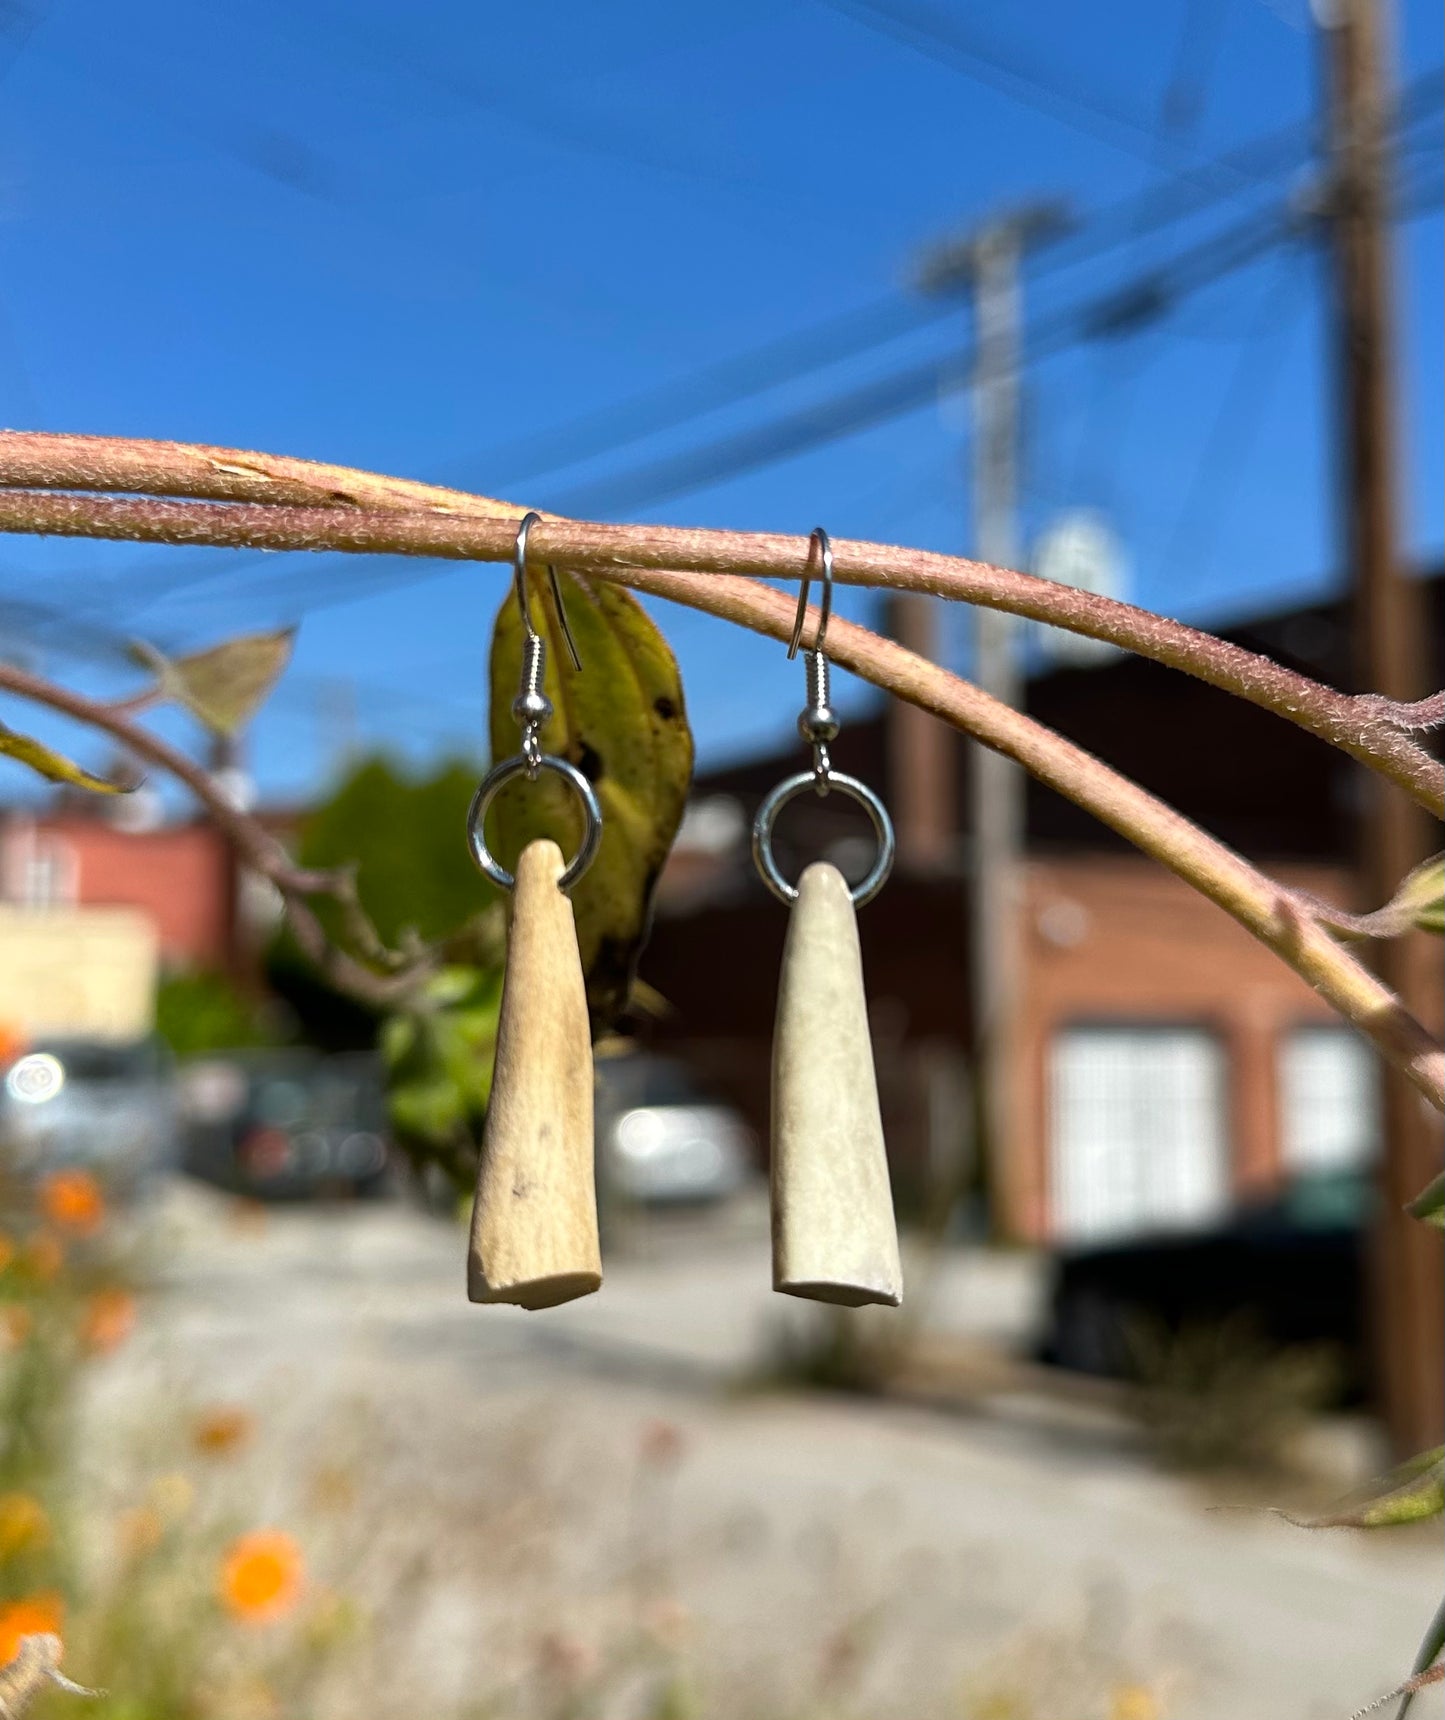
{"x":221,"y":1431}
{"x":139,"y":1531}
{"x":41,"y":1614}
{"x":261,"y":1575}
{"x":24,"y":1525}
{"x":44,"y":1256}
{"x":15,"y":1325}
{"x":72,"y":1200}
{"x":1134,"y":1702}
{"x":12,"y":1043}
{"x":7,"y":1251}
{"x":108,"y":1320}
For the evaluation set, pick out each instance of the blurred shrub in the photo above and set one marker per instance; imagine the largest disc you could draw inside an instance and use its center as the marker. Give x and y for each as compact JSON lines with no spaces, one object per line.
{"x":1218,"y":1396}
{"x":203,"y":1012}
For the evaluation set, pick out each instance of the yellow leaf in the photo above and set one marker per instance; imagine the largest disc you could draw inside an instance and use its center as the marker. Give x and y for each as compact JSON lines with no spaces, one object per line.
{"x":53,"y":765}
{"x":225,"y":685}
{"x":622,"y":723}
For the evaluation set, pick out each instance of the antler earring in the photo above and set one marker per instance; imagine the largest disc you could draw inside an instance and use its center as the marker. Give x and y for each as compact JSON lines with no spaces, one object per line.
{"x":834,"y":1237}
{"x":534,"y":1224}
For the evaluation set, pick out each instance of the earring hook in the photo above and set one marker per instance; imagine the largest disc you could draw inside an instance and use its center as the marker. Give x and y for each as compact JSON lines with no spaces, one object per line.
{"x":519,"y":582}
{"x":817,"y":539}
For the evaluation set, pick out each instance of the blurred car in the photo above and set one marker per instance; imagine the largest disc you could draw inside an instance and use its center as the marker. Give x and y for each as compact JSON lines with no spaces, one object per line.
{"x":1292,"y":1268}
{"x":285,"y":1124}
{"x":661,"y":1140}
{"x":102,"y":1106}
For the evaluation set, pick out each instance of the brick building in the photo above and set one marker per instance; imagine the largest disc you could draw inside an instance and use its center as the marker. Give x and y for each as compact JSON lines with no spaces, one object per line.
{"x":1165,"y":1065}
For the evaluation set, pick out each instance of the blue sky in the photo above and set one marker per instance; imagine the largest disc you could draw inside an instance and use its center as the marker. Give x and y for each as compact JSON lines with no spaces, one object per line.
{"x":410,"y":239}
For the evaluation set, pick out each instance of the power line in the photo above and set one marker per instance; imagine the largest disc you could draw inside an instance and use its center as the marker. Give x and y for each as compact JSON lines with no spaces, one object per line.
{"x":1214,"y":482}
{"x":1114,"y":313}
{"x":788,"y":357}
{"x":948,"y":40}
{"x":1108,"y":315}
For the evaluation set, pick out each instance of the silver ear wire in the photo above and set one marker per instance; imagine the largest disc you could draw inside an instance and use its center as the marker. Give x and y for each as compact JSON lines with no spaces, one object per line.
{"x":519,"y":585}
{"x":532,"y":708}
{"x":817,"y":539}
{"x":818,"y":725}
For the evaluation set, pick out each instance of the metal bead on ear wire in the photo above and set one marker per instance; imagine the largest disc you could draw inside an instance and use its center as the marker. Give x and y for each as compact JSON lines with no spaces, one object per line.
{"x":534,"y":1224}
{"x":834,"y":1237}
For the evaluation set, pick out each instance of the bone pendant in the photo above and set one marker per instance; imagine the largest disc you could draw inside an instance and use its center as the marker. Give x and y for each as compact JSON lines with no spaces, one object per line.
{"x":534,"y":1225}
{"x":834,"y":1237}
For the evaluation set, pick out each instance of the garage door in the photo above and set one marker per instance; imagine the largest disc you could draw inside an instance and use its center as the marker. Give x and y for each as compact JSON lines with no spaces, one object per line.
{"x":1138,"y":1142}
{"x":1329,"y":1101}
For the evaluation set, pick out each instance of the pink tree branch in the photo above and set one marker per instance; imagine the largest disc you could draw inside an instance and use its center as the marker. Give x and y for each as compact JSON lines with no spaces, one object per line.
{"x":283,"y":504}
{"x":1271,"y":914}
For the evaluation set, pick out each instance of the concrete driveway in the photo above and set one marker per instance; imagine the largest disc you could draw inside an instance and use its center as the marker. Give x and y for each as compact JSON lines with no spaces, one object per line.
{"x":593,"y":1491}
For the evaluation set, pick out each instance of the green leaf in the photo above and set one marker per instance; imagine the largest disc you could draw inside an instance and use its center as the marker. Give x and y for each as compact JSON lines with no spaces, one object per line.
{"x":1410,"y":1494}
{"x":622,"y":723}
{"x":1422,"y":895}
{"x":438,"y":1056}
{"x":1429,"y":1204}
{"x":1419,"y":904}
{"x":1425,"y":1671}
{"x":225,"y":685}
{"x":54,"y":766}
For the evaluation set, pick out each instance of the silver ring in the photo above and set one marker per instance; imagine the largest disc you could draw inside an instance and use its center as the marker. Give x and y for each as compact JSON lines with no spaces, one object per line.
{"x":497,"y":778}
{"x":789,"y":789}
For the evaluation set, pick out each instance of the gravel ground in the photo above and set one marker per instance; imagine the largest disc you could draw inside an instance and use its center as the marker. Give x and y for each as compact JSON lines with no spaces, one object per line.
{"x":529,"y":1498}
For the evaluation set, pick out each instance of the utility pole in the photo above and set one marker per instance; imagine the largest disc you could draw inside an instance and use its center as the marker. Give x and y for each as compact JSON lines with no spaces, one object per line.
{"x":1390,"y":632}
{"x":986,"y":263}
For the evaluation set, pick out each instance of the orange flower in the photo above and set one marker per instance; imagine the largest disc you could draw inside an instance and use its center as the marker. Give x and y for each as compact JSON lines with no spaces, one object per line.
{"x":7,"y":1251}
{"x":12,"y":1043}
{"x":24,"y":1526}
{"x":219,"y":1432}
{"x":261,"y":1576}
{"x":109,"y":1319}
{"x":44,"y":1256}
{"x":72,"y":1199}
{"x":15,"y":1325}
{"x":40,"y":1614}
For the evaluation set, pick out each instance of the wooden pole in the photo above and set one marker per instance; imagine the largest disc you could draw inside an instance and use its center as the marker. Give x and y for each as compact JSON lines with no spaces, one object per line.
{"x":1391,"y":630}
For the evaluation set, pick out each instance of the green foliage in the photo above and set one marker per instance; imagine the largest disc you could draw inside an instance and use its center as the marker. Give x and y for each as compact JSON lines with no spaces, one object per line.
{"x":621,"y":721}
{"x":1426,"y":1669}
{"x":201,"y":1012}
{"x":1420,"y":900}
{"x":406,"y":837}
{"x":1218,"y":1395}
{"x":438,"y":1057}
{"x":1429,"y":1205}
{"x":1410,"y":1494}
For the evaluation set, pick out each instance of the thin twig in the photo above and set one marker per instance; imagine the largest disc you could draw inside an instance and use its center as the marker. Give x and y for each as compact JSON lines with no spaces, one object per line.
{"x":255,"y":845}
